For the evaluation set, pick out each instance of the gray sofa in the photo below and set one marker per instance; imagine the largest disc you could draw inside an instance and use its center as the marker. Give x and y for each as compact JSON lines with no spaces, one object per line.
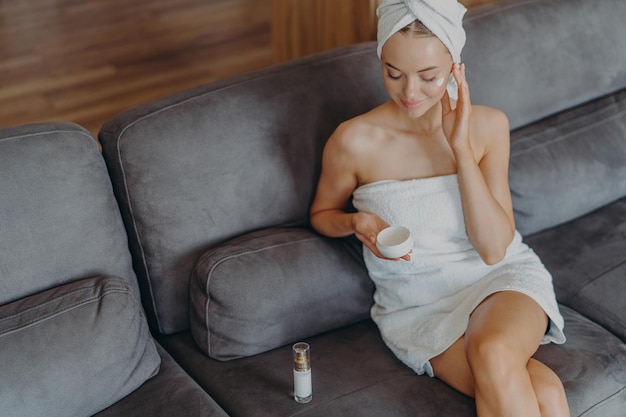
{"x":74,"y":340}
{"x":213,"y":187}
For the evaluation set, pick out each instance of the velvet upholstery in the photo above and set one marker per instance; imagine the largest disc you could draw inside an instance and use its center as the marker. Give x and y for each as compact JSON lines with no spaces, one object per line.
{"x":354,"y":374}
{"x":198,"y":173}
{"x":587,"y":258}
{"x":534,"y":58}
{"x":208,"y":136}
{"x":188,"y":175}
{"x":73,"y":338}
{"x":74,"y":349}
{"x":322,"y":284}
{"x":171,"y":393}
{"x":54,"y":188}
{"x":579,"y":152}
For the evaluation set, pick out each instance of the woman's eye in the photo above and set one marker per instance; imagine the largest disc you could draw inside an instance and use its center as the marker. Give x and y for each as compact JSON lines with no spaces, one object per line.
{"x":429,"y":80}
{"x":394,"y":77}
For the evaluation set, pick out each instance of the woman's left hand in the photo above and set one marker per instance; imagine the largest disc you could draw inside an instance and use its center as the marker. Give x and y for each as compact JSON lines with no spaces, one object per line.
{"x":455,"y":122}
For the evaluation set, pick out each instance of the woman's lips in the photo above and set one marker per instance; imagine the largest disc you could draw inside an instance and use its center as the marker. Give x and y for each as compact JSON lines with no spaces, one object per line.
{"x":412,"y":104}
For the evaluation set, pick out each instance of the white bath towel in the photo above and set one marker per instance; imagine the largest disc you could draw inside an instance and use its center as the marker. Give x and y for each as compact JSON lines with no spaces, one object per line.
{"x":423,"y":306}
{"x":444,"y":18}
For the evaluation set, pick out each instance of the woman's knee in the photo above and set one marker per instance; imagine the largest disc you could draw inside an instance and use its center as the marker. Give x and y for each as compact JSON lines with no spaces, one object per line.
{"x":504,"y":331}
{"x":493,"y":357}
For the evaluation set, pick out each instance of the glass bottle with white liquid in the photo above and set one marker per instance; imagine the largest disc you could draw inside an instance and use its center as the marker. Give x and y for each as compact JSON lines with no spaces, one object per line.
{"x":302,"y":384}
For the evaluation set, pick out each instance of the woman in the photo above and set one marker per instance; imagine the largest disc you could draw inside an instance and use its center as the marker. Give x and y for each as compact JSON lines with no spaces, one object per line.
{"x":471,"y":303}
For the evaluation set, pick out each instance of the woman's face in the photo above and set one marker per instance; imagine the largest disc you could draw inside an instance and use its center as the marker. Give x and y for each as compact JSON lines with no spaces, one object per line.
{"x":416,"y":70}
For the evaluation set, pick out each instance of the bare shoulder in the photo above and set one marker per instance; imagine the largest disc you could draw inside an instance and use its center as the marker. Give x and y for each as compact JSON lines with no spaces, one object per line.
{"x":490,"y":127}
{"x":358,"y":134}
{"x":490,"y":119}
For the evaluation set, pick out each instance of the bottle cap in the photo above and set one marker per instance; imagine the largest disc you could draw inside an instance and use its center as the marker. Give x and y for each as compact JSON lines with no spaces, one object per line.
{"x":301,"y":358}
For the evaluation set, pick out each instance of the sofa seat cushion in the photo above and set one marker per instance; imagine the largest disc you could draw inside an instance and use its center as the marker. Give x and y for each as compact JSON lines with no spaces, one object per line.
{"x":73,"y":350}
{"x":171,"y":393}
{"x":275,"y":286}
{"x":568,"y":165}
{"x":355,"y":374}
{"x":587,"y":259}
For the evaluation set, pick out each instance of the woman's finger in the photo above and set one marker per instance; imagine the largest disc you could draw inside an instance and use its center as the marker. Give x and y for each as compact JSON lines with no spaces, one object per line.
{"x":463,"y":102}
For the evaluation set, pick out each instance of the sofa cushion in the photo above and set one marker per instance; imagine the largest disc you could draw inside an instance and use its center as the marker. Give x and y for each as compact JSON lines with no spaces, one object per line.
{"x":73,"y":350}
{"x":570,"y":164}
{"x":587,"y":259}
{"x":272,"y":287}
{"x":205,"y":165}
{"x":171,"y":393}
{"x":534,"y":58}
{"x":59,"y":221}
{"x":356,"y":375}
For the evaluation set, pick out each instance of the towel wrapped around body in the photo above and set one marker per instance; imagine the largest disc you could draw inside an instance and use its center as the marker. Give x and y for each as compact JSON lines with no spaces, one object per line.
{"x":422,"y":306}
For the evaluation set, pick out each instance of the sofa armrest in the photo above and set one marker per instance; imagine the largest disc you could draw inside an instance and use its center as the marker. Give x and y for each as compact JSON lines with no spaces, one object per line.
{"x":74,"y":349}
{"x":275,"y":286}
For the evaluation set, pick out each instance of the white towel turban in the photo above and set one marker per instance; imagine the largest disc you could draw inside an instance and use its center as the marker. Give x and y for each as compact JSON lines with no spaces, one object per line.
{"x":444,"y":18}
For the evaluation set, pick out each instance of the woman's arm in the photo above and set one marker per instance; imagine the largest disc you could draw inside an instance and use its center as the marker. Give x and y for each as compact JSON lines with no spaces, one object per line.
{"x":485,"y":192}
{"x":337,"y":182}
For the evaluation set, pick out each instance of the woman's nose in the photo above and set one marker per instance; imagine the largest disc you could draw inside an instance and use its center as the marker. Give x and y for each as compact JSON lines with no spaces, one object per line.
{"x":411,"y":88}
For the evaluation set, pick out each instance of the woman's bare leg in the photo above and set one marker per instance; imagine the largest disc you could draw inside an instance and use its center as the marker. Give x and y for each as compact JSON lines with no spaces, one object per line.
{"x":549,"y":390}
{"x":503,"y":333}
{"x":492,"y":361}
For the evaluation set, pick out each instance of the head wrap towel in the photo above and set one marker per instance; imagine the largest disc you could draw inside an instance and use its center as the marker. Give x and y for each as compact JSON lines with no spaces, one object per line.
{"x":444,"y":18}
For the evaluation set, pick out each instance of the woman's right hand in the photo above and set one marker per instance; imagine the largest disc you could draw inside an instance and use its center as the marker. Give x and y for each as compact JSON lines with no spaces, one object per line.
{"x":366,"y":227}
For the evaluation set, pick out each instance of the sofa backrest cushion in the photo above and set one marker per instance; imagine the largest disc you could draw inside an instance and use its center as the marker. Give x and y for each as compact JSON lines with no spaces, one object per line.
{"x":570,"y":164}
{"x":59,"y":220}
{"x":196,"y":169}
{"x":534,"y":58}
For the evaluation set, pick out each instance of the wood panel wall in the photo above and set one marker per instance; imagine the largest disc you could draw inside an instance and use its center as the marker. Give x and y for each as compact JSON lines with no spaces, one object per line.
{"x":85,"y":61}
{"x":302,"y":27}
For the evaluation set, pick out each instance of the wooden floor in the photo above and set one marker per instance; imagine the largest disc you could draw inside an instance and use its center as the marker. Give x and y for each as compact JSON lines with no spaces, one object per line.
{"x":85,"y":61}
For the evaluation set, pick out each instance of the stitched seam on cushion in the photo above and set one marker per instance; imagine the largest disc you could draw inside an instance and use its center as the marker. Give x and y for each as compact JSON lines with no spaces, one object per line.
{"x":66,"y":309}
{"x":601,"y":403}
{"x":139,"y":241}
{"x":566,"y":135}
{"x":578,"y":297}
{"x":51,"y":301}
{"x":27,"y":135}
{"x":236,"y":255}
{"x":247,"y":252}
{"x":600,"y":275}
{"x":82,"y":288}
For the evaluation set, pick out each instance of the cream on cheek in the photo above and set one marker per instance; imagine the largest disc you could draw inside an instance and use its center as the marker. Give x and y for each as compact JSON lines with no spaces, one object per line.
{"x":434,"y":88}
